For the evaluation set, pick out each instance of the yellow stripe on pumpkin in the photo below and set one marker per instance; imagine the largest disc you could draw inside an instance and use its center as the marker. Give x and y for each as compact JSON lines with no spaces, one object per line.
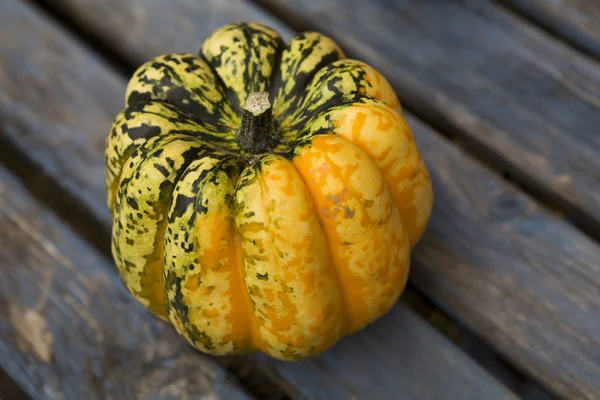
{"x":244,"y":56}
{"x":288,"y":270}
{"x":139,"y":220}
{"x":385,"y":136}
{"x":208,"y":303}
{"x":367,"y":242}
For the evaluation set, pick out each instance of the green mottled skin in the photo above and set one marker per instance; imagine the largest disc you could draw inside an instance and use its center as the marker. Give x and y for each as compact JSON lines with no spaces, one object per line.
{"x":141,"y":121}
{"x":208,"y":184}
{"x":141,"y":205}
{"x":172,"y":158}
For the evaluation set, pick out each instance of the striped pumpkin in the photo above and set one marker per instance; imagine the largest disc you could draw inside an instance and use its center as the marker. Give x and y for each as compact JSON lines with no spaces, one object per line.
{"x":265,"y":196}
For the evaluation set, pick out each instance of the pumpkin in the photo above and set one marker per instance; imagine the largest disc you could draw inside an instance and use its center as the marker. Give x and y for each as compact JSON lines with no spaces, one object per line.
{"x":265,"y":195}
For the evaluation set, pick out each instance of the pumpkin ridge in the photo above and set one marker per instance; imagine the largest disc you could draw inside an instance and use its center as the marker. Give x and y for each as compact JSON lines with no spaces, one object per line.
{"x":366,"y":266}
{"x":198,"y":261}
{"x":202,"y":131}
{"x":274,"y":256}
{"x":200,"y":122}
{"x":294,"y":294}
{"x":389,"y":142}
{"x":331,"y":265}
{"x":289,"y":84}
{"x":328,"y":238}
{"x":245,"y":56}
{"x":230,"y":96}
{"x":135,"y":221}
{"x":337,"y":80}
{"x":307,"y":133}
{"x":186,"y":82}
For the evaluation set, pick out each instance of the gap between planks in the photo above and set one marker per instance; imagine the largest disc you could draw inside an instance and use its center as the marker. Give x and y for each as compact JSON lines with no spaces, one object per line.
{"x":9,"y":389}
{"x":583,"y":38}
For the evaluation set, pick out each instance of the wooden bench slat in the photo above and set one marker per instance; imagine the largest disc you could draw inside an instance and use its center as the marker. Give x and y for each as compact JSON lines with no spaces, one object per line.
{"x":37,"y":57}
{"x":124,"y":26}
{"x":519,"y":277}
{"x":70,"y":330}
{"x":391,"y":359}
{"x":521,"y":98}
{"x":577,"y":21}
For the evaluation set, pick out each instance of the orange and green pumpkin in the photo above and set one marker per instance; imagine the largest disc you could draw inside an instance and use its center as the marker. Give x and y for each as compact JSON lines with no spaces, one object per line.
{"x":265,"y":195}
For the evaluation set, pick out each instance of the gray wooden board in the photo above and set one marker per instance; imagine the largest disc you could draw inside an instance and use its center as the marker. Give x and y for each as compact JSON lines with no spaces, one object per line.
{"x":522,"y":279}
{"x":50,"y":62}
{"x":70,"y":330}
{"x":140,"y":29}
{"x":390,"y":359}
{"x":523,"y":99}
{"x":576,"y":21}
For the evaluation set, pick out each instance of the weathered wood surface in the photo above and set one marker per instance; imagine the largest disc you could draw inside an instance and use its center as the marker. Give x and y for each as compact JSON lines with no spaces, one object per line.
{"x":392,"y":359}
{"x":139,"y":29}
{"x":576,"y":21}
{"x":525,"y":281}
{"x":70,"y":330}
{"x":401,"y":342}
{"x":524,"y":100}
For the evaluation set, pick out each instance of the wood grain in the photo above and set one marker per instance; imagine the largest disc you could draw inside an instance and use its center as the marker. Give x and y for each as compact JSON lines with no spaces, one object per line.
{"x":390,"y":359}
{"x":576,"y":21}
{"x":70,"y":330}
{"x":45,"y":60}
{"x":520,"y":98}
{"x":525,"y":281}
{"x":140,"y":29}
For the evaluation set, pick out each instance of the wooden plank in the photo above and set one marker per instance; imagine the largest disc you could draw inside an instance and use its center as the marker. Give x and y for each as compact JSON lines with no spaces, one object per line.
{"x":525,"y":281}
{"x":181,"y":30}
{"x":576,"y":21}
{"x":46,"y":59}
{"x":522,"y":99}
{"x":70,"y":330}
{"x":390,"y":359}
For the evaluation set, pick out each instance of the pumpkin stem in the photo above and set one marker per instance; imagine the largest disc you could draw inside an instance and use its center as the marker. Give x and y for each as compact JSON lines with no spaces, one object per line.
{"x":257,"y":133}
